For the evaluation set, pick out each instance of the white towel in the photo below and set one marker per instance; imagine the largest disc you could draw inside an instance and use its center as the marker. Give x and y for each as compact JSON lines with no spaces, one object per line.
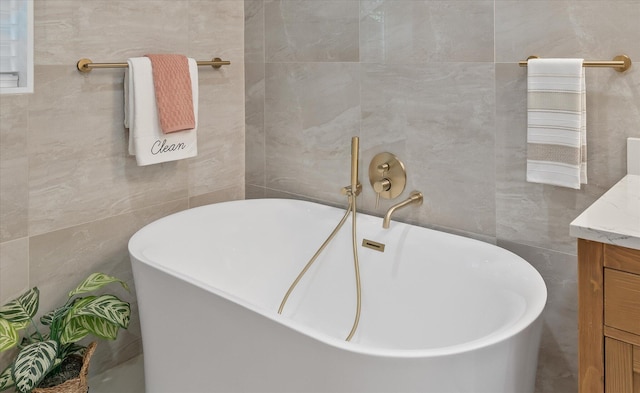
{"x":556,"y":117}
{"x":146,"y":139}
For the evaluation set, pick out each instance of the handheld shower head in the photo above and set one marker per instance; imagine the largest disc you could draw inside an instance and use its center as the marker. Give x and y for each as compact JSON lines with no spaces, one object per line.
{"x":355,"y":148}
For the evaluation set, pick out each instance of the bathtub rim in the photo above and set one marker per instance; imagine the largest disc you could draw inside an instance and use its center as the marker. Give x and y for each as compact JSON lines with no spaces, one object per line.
{"x":531,"y":315}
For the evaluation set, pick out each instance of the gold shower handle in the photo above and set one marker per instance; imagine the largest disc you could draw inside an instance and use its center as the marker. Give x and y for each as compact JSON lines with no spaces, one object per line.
{"x":381,"y":185}
{"x":383,"y":168}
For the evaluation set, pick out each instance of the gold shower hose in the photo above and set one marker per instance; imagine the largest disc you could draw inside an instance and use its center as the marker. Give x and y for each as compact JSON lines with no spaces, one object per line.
{"x":351,"y":209}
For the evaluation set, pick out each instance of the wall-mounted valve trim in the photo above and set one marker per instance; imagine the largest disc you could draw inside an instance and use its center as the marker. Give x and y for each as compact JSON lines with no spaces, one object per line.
{"x":387,"y":176}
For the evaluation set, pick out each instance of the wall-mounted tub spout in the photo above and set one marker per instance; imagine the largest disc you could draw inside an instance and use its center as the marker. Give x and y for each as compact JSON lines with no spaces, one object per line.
{"x":414,"y":198}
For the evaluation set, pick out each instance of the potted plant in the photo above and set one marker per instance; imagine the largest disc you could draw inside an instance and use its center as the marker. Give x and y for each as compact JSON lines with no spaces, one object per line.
{"x":45,"y":352}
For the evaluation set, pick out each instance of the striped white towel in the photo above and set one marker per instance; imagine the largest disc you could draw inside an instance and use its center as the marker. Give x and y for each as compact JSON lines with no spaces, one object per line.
{"x":556,"y":122}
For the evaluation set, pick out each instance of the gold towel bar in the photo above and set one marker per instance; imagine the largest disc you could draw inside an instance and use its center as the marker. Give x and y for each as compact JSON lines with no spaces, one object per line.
{"x":86,"y":65}
{"x":621,"y":63}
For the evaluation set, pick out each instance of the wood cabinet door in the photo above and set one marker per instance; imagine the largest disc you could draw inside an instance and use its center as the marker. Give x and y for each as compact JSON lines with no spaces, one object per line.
{"x":622,"y":367}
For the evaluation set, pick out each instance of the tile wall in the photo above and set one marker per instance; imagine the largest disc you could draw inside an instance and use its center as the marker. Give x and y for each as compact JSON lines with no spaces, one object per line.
{"x":436,"y":83}
{"x":70,"y":197}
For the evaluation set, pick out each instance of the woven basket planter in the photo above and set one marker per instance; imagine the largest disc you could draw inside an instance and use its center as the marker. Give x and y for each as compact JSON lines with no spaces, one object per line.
{"x":75,"y":385}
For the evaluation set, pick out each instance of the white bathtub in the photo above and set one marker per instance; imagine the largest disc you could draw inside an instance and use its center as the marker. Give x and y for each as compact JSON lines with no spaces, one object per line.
{"x":440,"y":313}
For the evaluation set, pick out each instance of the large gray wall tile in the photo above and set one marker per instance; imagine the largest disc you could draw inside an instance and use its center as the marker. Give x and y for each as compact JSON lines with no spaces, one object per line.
{"x":108,"y":31}
{"x":254,"y":192}
{"x":220,"y":161}
{"x":254,"y":31}
{"x":228,"y":194}
{"x":14,"y":167}
{"x":254,"y":124}
{"x":310,"y":30}
{"x":14,"y":269}
{"x":418,"y":31}
{"x":311,"y":112}
{"x":596,"y":30}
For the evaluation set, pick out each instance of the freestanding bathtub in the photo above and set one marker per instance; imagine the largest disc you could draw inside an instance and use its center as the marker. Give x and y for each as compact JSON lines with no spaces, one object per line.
{"x":440,"y":313}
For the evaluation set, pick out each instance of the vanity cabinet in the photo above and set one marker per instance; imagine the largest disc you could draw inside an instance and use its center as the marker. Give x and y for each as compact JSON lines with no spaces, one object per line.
{"x":608,"y":318}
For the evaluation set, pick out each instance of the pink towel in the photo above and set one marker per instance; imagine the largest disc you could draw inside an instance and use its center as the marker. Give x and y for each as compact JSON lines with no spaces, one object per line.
{"x":174,"y":97}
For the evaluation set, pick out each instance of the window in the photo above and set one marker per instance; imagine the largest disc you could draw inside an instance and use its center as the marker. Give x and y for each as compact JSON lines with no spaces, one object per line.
{"x":16,"y":46}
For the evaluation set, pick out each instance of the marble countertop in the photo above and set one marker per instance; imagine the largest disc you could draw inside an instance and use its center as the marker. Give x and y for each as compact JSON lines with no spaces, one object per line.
{"x":614,"y":218}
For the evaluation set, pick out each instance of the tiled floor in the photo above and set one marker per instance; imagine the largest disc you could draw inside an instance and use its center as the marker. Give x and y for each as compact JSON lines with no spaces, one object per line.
{"x":127,"y":377}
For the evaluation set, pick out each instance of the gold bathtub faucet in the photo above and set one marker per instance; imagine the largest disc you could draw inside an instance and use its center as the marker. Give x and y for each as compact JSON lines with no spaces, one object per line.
{"x":351,"y":191}
{"x":414,"y":198}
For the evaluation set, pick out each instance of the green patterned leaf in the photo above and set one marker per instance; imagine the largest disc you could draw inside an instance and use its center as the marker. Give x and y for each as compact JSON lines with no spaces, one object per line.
{"x":21,"y":309}
{"x":20,"y":325}
{"x":95,"y":281}
{"x":99,"y":327}
{"x":71,"y":348}
{"x":73,"y":331}
{"x":78,"y":303}
{"x":59,"y":313}
{"x":33,"y":363}
{"x":107,"y":307}
{"x":8,"y":335}
{"x":6,"y":380}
